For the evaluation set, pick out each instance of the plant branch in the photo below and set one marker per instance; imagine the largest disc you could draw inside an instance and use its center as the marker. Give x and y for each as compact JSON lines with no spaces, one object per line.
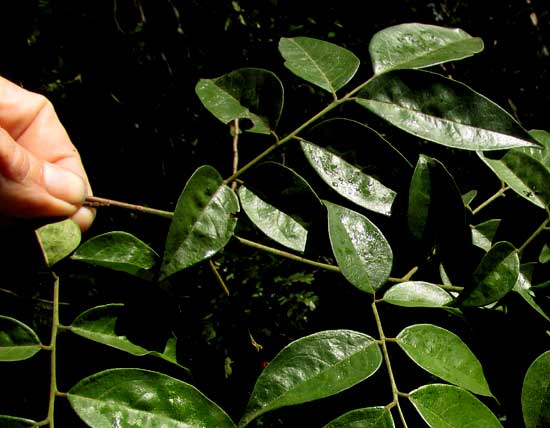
{"x":235,"y":151}
{"x":536,"y":233}
{"x":95,"y":201}
{"x":498,"y":194}
{"x":395,"y":391}
{"x":219,"y":277}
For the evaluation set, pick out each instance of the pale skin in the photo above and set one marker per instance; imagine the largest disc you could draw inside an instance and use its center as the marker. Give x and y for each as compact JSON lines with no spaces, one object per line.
{"x":41,"y":173}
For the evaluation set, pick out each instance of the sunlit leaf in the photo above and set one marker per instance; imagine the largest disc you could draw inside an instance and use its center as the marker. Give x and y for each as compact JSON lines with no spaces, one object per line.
{"x":483,"y":233}
{"x":322,"y":63}
{"x":141,"y":398}
{"x":247,"y":93}
{"x":445,"y":355}
{"x":524,"y":174}
{"x":417,"y":294}
{"x":15,"y":422}
{"x":523,"y":288}
{"x":495,"y":276}
{"x":369,"y":417}
{"x":442,"y":110}
{"x":118,"y":251}
{"x":361,"y":250}
{"x":535,"y":395}
{"x":313,"y":367}
{"x":203,"y":221}
{"x":348,"y":180}
{"x":58,"y":240}
{"x":99,"y":324}
{"x":17,"y":340}
{"x":415,"y":45}
{"x":448,"y":406}
{"x":279,"y":226}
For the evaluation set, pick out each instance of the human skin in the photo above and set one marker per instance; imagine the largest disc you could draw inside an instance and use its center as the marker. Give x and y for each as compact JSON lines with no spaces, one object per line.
{"x":41,"y":172}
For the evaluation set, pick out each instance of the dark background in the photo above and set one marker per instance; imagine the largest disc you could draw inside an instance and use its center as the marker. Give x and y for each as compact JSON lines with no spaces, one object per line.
{"x":121,"y":74}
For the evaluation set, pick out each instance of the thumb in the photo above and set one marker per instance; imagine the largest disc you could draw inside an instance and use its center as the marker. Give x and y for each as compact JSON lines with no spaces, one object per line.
{"x":30,"y":187}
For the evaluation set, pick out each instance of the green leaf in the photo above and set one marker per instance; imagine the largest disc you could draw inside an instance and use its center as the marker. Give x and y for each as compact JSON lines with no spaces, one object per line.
{"x":125,"y":398}
{"x":348,"y":180}
{"x":442,"y":110}
{"x":274,"y":223}
{"x":535,"y":395}
{"x":544,"y":256}
{"x":468,"y":197}
{"x":524,"y":174}
{"x":448,"y":406}
{"x":17,"y":340}
{"x":313,"y":367}
{"x":99,"y":324}
{"x":414,"y":45}
{"x":443,"y":354}
{"x":248,"y":93}
{"x":58,"y":240}
{"x":483,"y":233}
{"x":420,"y":199}
{"x":542,"y":154}
{"x":369,"y":417}
{"x":15,"y":422}
{"x":417,"y":294}
{"x":523,"y":288}
{"x":203,"y":221}
{"x":118,"y":251}
{"x":361,"y":250}
{"x":322,"y":63}
{"x":495,"y":276}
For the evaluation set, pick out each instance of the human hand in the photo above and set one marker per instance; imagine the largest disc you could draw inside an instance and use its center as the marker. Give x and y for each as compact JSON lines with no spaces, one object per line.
{"x":41,"y":173}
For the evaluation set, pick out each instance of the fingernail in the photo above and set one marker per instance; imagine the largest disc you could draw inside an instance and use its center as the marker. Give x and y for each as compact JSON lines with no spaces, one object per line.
{"x":84,"y":217}
{"x":64,"y":184}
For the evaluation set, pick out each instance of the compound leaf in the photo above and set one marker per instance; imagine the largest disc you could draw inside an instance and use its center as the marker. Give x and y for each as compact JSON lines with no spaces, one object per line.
{"x":247,"y":93}
{"x":361,"y":250}
{"x":535,"y":395}
{"x":348,"y":180}
{"x":118,"y":251}
{"x":322,"y":63}
{"x":17,"y":340}
{"x":443,"y":111}
{"x":279,"y":226}
{"x":203,"y":221}
{"x":58,"y":240}
{"x":313,"y":367}
{"x":135,"y":397}
{"x":448,"y":406}
{"x":369,"y":417}
{"x":415,"y":45}
{"x":444,"y":354}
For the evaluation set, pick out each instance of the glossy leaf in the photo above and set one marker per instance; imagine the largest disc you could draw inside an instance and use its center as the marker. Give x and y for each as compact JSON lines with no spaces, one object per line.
{"x":348,"y":180}
{"x":247,"y":93}
{"x":17,"y":340}
{"x":448,"y":406}
{"x":15,"y":422}
{"x":415,"y":45}
{"x":542,"y":154}
{"x":483,"y":233}
{"x":361,"y":250}
{"x":99,"y":324}
{"x":445,"y":355}
{"x":277,"y":225}
{"x":322,"y":63}
{"x":58,"y":240}
{"x":417,"y":294}
{"x":118,"y":251}
{"x":535,"y":395}
{"x":313,"y":367}
{"x":523,"y":288}
{"x":524,"y":174}
{"x":495,"y":276}
{"x":442,"y":110}
{"x":203,"y":221}
{"x":369,"y":417}
{"x":140,"y":398}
